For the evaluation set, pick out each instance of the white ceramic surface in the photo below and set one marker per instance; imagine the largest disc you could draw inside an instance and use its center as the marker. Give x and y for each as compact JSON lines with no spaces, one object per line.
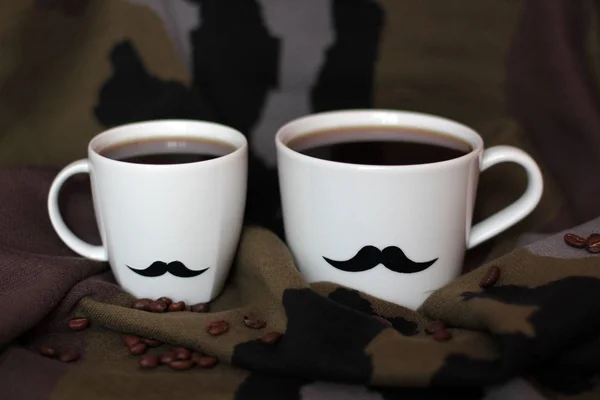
{"x":332,"y":210}
{"x":191,"y":213}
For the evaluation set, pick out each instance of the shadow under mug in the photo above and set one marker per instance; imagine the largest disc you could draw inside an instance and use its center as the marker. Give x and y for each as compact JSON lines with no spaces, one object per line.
{"x":404,"y":229}
{"x":167,"y":229}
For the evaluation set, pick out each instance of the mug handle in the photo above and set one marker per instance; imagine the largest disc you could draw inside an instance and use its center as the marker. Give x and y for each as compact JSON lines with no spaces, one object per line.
{"x":516,"y":211}
{"x":97,"y":253}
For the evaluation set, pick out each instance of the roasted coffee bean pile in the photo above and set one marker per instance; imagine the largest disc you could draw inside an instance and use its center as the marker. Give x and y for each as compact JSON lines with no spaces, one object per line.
{"x":165,"y":304}
{"x":178,"y":358}
{"x":66,"y":355}
{"x":591,"y":243}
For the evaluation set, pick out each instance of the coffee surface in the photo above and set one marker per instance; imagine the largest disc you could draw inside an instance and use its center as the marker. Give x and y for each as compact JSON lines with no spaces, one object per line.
{"x":380,"y":146}
{"x":165,"y":151}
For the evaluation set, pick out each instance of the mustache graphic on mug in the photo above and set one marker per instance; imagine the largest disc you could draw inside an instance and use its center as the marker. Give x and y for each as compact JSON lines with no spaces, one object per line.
{"x":392,"y":257}
{"x":159,"y":268}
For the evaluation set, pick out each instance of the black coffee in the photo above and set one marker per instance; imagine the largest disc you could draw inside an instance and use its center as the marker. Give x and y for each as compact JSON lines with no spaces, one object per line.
{"x":380,"y":146}
{"x":167,"y":151}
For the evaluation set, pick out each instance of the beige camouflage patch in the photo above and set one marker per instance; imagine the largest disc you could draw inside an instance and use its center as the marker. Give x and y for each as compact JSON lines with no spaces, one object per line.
{"x":434,"y":58}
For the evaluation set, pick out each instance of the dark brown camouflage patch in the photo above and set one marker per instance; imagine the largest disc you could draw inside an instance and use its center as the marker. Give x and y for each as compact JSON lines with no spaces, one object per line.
{"x":354,"y":300}
{"x":261,"y":386}
{"x":323,"y":340}
{"x":572,"y":302}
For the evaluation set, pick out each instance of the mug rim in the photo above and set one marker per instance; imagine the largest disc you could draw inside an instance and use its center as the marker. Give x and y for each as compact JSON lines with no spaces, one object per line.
{"x":376,"y":117}
{"x":168,"y":128}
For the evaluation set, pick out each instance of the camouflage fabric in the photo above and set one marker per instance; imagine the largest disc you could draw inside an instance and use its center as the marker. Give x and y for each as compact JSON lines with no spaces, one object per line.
{"x":540,"y":323}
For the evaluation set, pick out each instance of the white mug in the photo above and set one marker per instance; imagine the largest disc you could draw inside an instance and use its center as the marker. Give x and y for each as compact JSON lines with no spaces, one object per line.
{"x":167,"y":230}
{"x":341,"y":219}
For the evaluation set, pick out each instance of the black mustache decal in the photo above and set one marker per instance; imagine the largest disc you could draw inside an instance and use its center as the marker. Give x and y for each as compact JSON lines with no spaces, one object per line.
{"x":159,"y":268}
{"x":370,"y":256}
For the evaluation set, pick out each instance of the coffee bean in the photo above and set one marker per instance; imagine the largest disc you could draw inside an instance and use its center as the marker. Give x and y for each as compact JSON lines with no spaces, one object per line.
{"x":271,"y":337}
{"x":441,"y":335}
{"x":166,"y":300}
{"x":141,"y":304}
{"x":201,"y":308}
{"x":130,"y":340}
{"x":47,"y":351}
{"x":383,"y":320}
{"x":179,"y":306}
{"x":68,"y":356}
{"x":594,"y":247}
{"x":137,"y":349}
{"x":166,"y":358}
{"x":592,"y":243}
{"x":254,"y":323}
{"x":181,"y":365}
{"x":593,"y":237}
{"x":574,"y":240}
{"x":216,"y":328}
{"x":433,"y":327}
{"x":490,"y":278}
{"x":163,"y":304}
{"x":78,"y":324}
{"x":151,"y":342}
{"x":157,"y":307}
{"x":148,"y":362}
{"x":207,"y":362}
{"x":181,"y":353}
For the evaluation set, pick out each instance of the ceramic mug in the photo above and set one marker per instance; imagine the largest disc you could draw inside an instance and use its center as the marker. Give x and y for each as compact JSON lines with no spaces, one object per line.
{"x":396,"y":232}
{"x":167,"y":230}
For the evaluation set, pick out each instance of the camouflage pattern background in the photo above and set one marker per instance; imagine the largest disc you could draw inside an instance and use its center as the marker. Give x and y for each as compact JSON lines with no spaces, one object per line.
{"x":70,"y":68}
{"x":540,"y":323}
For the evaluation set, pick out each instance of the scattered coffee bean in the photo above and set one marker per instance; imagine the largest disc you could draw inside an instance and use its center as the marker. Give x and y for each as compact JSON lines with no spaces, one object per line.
{"x":131,"y":340}
{"x":592,"y":243}
{"x":383,"y":320}
{"x":141,"y":304}
{"x":490,"y":278}
{"x":179,"y":306}
{"x":166,"y":358}
{"x":156,"y":307}
{"x":151,"y":342}
{"x":271,"y":337}
{"x":68,"y":356}
{"x":574,"y":240}
{"x":435,"y":326}
{"x":47,"y":351}
{"x":593,"y":238}
{"x":207,"y":361}
{"x":137,"y":349}
{"x":201,"y":308}
{"x":148,"y":362}
{"x":163,"y":304}
{"x":181,"y":365}
{"x":441,"y":335}
{"x":166,"y":300}
{"x":216,"y":328}
{"x":78,"y":324}
{"x":594,"y":247}
{"x":254,"y":323}
{"x":181,"y":353}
